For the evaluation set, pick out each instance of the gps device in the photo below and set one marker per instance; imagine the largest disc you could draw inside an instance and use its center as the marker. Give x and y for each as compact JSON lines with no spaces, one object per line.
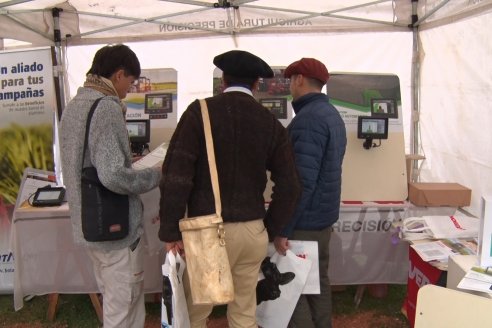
{"x":139,"y":133}
{"x":370,"y":128}
{"x":49,"y":196}
{"x":138,"y":130}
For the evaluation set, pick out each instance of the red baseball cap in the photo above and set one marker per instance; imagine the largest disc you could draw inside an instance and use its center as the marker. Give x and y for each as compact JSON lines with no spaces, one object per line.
{"x":309,"y":67}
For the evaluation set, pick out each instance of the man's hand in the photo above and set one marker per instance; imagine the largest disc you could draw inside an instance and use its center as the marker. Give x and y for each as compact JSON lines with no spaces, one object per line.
{"x":281,"y":244}
{"x":176,"y":247}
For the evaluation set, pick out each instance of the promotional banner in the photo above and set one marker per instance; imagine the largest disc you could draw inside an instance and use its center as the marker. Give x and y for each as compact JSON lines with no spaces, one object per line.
{"x":153,"y":99}
{"x":370,"y":105}
{"x":27,"y":108}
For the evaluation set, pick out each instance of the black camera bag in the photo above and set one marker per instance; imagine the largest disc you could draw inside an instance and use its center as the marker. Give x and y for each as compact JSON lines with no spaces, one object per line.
{"x":105,"y":214}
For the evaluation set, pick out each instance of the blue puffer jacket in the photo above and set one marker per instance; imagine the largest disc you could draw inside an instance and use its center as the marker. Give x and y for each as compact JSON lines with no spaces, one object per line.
{"x":319,"y":139}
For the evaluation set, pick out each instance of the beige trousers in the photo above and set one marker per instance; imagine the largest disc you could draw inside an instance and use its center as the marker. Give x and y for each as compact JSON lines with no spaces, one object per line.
{"x":246,"y":244}
{"x":119,"y":275}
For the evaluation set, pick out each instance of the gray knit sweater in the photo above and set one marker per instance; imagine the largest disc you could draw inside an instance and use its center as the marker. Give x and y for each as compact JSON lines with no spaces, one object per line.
{"x":109,"y":152}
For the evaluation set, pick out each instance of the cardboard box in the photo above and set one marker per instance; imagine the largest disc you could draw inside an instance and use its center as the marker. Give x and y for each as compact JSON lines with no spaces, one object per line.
{"x":438,"y":194}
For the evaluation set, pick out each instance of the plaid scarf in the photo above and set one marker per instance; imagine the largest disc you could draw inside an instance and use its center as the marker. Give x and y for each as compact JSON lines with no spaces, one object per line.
{"x":104,"y":86}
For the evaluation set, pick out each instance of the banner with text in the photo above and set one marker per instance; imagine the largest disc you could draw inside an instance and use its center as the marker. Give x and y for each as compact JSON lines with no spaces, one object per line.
{"x":27,"y":108}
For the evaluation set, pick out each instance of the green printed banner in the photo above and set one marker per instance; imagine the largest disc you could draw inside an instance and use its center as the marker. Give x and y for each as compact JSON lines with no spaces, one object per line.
{"x":27,"y":111}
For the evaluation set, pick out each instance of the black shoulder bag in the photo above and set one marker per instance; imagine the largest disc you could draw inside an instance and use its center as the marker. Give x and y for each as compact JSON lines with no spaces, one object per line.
{"x":105,"y":214}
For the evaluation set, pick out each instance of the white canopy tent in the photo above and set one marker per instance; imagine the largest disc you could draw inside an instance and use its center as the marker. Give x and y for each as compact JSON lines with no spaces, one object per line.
{"x":442,"y":59}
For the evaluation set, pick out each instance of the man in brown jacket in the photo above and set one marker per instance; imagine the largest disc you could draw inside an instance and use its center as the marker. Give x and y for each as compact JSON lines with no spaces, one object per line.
{"x":248,"y":142}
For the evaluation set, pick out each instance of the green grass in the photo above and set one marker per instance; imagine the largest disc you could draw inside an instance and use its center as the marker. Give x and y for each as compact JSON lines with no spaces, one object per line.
{"x":77,"y":311}
{"x":73,"y":311}
{"x":343,"y":302}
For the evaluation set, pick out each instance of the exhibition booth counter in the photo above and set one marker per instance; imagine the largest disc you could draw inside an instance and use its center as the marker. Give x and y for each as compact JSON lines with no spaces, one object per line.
{"x":48,"y":262}
{"x":364,"y":248}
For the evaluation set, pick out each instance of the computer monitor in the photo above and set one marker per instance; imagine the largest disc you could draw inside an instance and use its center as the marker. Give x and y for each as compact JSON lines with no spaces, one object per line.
{"x":138,"y":131}
{"x":372,"y":127}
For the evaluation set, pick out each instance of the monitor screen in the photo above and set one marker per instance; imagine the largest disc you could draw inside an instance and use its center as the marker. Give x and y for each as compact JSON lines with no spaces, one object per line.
{"x":372,"y":127}
{"x":384,"y":108}
{"x":158,"y":103}
{"x":278,"y":106}
{"x":49,"y":195}
{"x":138,"y":130}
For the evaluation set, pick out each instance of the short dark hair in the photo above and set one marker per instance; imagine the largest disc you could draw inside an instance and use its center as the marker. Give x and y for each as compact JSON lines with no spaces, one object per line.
{"x":315,"y":83}
{"x":247,"y":82}
{"x":112,"y":58}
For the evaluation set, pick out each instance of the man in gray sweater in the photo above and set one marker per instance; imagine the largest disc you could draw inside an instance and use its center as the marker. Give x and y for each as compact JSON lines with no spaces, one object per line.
{"x":118,"y":264}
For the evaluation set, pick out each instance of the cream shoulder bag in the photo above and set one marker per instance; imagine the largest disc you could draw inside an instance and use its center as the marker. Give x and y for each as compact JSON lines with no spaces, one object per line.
{"x":204,"y":241}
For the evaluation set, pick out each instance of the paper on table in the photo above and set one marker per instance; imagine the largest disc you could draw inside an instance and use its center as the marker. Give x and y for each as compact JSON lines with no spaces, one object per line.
{"x":476,"y":281}
{"x":154,"y":158}
{"x":433,"y":251}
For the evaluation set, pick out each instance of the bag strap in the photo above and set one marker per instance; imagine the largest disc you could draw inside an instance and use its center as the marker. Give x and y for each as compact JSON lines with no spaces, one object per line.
{"x":211,"y":156}
{"x":87,"y":127}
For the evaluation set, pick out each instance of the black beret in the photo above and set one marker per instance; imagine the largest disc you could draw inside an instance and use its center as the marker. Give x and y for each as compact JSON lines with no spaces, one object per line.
{"x":240,"y":63}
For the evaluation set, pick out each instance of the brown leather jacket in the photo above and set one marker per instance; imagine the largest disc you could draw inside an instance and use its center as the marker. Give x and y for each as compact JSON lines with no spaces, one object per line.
{"x":248,"y":141}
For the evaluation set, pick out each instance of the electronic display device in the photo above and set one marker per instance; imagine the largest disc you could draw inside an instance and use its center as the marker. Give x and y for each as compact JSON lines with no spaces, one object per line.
{"x":384,"y":108}
{"x":158,"y":103}
{"x":49,"y":196}
{"x":138,"y":131}
{"x":372,"y":127}
{"x":278,"y":106}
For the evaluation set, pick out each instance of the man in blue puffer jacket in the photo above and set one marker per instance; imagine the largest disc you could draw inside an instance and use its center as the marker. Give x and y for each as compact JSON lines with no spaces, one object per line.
{"x":319,"y":140}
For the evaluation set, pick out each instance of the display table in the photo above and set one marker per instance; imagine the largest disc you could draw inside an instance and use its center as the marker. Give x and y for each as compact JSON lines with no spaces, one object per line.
{"x":423,"y":273}
{"x":48,"y":262}
{"x":363,"y":249}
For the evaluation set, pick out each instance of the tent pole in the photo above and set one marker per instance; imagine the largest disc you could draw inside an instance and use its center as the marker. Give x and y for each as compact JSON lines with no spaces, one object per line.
{"x":60,"y":92}
{"x":415,"y":85}
{"x":58,"y":60}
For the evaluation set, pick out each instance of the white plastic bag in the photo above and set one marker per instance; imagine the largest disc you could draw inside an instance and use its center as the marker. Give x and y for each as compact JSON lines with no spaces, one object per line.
{"x":276,"y":313}
{"x":172,"y":270}
{"x":440,"y":227}
{"x":308,"y":250}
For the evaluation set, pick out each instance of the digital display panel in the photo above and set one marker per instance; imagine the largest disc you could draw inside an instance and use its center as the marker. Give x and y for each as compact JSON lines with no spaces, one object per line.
{"x":384,"y":108}
{"x":278,"y":106}
{"x":138,"y":131}
{"x":158,"y":103}
{"x":49,"y":195}
{"x":372,"y":127}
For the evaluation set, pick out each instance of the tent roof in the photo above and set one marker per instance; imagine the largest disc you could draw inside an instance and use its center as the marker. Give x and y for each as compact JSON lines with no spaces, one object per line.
{"x":106,"y":21}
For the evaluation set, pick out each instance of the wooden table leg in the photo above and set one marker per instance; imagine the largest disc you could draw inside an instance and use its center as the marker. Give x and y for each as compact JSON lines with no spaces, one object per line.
{"x":359,"y":294}
{"x":52,"y":306}
{"x":97,"y":306}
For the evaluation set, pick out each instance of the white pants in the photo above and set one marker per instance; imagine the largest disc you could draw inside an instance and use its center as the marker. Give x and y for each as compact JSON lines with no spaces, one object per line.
{"x":119,"y":275}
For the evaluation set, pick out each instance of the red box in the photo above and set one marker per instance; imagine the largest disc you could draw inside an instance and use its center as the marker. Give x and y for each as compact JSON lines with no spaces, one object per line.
{"x":420,"y":273}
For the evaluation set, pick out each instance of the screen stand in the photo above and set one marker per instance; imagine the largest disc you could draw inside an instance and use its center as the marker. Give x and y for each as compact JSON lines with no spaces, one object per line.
{"x":368,"y":143}
{"x":138,"y":148}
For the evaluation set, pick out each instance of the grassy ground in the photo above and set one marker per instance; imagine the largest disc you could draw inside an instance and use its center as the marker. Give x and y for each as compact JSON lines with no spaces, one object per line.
{"x":77,"y":311}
